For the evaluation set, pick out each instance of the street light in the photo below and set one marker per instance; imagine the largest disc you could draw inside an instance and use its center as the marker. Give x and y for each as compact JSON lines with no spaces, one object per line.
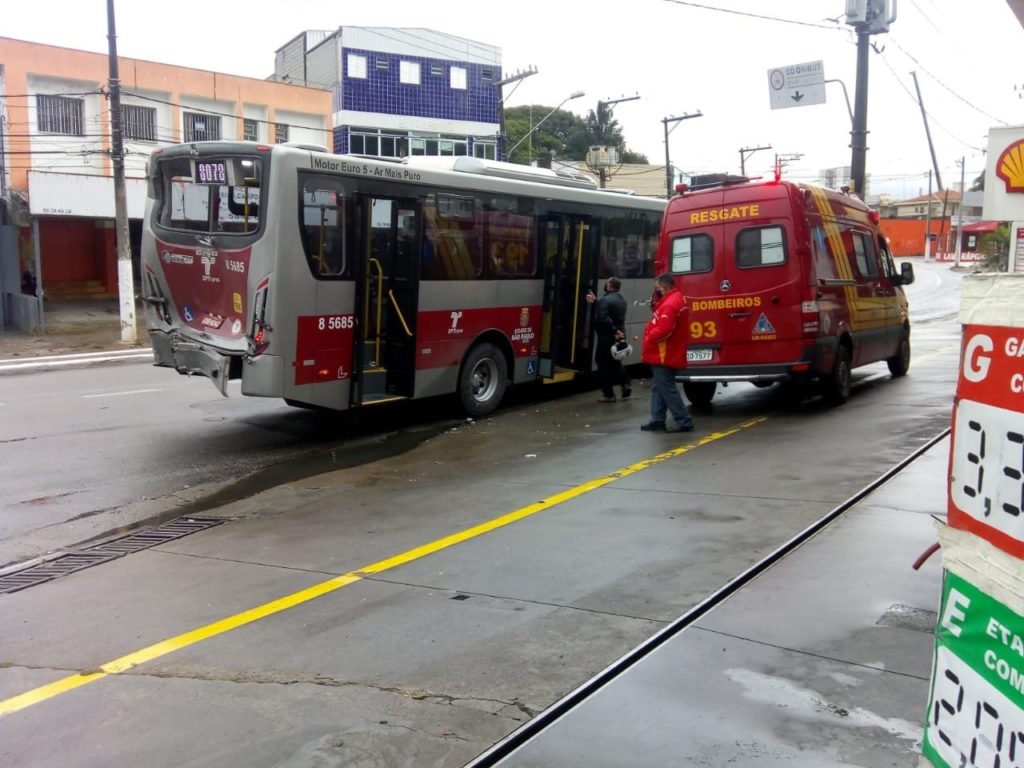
{"x":573,"y":95}
{"x":668,"y":163}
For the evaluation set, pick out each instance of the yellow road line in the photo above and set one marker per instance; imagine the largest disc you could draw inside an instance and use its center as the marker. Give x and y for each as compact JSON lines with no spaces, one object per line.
{"x":157,"y":650}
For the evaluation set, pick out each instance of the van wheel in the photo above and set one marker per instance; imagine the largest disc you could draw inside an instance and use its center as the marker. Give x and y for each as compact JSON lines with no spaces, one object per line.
{"x":482,"y":380}
{"x":900,"y":362}
{"x":700,"y":393}
{"x":837,"y":384}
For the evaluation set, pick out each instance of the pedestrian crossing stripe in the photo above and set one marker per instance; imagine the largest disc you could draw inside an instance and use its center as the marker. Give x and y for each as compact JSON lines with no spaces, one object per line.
{"x":763,"y":326}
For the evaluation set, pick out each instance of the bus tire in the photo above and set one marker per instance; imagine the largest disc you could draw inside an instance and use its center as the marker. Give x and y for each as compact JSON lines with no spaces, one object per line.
{"x":482,"y":380}
{"x":837,"y":383}
{"x":899,"y":363}
{"x":700,"y":393}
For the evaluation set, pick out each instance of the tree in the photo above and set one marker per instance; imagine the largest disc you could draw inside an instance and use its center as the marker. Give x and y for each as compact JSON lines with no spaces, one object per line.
{"x":996,"y":247}
{"x":551,"y":135}
{"x":569,"y":136}
{"x":978,"y":185}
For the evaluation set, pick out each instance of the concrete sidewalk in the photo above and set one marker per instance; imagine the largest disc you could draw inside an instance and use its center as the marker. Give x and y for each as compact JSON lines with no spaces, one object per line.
{"x":824,"y":660}
{"x":75,"y":325}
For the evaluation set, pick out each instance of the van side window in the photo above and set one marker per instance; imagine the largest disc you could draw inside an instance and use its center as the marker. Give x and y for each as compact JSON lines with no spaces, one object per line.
{"x":888,"y":265}
{"x":760,"y":247}
{"x":692,"y":253}
{"x":864,"y":251}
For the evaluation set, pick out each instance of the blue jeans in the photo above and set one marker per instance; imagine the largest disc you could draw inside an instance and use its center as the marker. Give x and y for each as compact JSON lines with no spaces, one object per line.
{"x":665,"y":397}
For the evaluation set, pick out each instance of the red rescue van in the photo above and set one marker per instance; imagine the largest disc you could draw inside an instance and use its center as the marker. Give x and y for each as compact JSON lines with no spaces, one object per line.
{"x":785,"y":282}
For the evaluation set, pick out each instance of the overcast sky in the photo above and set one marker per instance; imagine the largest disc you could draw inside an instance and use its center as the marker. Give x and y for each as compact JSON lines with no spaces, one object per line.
{"x":680,"y":57}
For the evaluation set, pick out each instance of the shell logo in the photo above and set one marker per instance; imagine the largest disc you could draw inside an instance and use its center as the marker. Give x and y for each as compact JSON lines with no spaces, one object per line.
{"x":1010,"y":167}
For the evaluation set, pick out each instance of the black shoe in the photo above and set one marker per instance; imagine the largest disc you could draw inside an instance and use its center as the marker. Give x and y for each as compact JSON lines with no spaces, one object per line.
{"x":680,"y":428}
{"x":653,"y":426}
{"x":626,"y":392}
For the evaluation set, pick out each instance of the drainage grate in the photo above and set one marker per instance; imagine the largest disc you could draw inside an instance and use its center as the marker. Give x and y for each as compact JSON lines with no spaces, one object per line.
{"x":101,"y":553}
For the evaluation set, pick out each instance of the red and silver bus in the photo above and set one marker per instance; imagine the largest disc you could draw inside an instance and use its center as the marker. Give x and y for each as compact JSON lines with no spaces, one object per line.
{"x":337,"y":281}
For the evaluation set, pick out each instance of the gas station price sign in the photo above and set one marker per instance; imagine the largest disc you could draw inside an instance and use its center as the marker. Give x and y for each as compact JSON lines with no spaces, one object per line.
{"x":975,"y":715}
{"x":986,"y":478}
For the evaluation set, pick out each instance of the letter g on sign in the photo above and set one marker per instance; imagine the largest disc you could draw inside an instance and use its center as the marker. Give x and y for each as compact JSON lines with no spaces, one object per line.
{"x":976,"y":363}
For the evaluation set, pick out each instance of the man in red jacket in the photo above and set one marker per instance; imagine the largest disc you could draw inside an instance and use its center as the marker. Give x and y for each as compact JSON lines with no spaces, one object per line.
{"x":664,"y":349}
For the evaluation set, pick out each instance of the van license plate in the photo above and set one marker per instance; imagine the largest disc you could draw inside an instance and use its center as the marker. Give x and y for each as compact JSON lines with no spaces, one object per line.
{"x":698,"y":355}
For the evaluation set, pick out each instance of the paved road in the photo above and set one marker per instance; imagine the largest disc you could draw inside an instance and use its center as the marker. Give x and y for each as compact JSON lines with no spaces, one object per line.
{"x":417,"y":608}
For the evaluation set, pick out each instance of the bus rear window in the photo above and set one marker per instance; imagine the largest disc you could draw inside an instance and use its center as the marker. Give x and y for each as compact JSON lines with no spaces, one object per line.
{"x":209,"y":194}
{"x":692,"y":253}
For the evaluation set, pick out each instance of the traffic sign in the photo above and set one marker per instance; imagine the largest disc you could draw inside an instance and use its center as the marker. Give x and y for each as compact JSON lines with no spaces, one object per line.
{"x":797,"y":85}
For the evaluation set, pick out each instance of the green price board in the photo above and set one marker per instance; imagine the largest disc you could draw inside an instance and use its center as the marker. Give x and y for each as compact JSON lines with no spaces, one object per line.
{"x":976,"y":705}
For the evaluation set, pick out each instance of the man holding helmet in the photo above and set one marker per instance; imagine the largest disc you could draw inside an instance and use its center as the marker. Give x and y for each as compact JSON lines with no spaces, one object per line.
{"x":610,"y":326}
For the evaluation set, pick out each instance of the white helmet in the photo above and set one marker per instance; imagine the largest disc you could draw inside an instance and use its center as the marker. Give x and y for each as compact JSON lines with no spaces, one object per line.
{"x":621,"y":350}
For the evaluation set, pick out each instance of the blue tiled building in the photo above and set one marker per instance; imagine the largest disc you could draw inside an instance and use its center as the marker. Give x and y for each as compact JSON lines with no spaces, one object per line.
{"x":401,"y":91}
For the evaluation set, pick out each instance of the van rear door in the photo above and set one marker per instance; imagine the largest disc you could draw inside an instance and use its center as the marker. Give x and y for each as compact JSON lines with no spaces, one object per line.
{"x":762,"y":292}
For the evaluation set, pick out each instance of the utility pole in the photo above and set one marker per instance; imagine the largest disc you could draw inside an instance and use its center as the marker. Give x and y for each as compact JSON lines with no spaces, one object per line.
{"x":928,"y":222}
{"x":927,"y":132}
{"x":960,"y":215}
{"x":781,"y":161}
{"x":602,"y":171}
{"x":745,"y":152}
{"x":868,"y":17}
{"x":516,"y":78}
{"x":668,"y":163}
{"x":125,"y":279}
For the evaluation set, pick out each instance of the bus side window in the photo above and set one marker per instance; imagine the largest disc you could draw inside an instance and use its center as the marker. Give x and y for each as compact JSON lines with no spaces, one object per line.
{"x":325,"y":229}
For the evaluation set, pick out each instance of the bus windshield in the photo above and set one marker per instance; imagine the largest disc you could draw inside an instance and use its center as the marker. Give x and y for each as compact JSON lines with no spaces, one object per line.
{"x":209,"y":194}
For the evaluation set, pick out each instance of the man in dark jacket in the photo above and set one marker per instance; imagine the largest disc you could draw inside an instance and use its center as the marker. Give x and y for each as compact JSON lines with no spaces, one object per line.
{"x":610,"y":326}
{"x":664,"y":350}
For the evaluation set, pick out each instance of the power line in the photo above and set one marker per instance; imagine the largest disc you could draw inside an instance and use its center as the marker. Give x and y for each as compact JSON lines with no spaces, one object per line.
{"x":937,"y":80}
{"x":185,"y":108}
{"x":755,"y":15}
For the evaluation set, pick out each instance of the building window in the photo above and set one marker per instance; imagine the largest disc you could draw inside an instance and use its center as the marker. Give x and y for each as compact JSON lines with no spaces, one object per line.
{"x":138,"y":122}
{"x":485,"y":150}
{"x":357,"y":66}
{"x":381,"y":63}
{"x":59,"y":114}
{"x":439,"y":147}
{"x":201,"y":127}
{"x":436,"y":70}
{"x":458,"y":78}
{"x":378,"y":144}
{"x":280,"y":133}
{"x":250,"y":130}
{"x":409,"y":72}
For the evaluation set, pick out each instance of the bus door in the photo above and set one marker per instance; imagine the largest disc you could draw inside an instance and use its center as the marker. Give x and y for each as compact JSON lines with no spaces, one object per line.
{"x":386,"y":299}
{"x":568,"y":246}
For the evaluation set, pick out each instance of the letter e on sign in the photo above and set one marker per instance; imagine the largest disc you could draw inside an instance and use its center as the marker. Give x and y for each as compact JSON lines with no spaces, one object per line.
{"x":956,"y":603}
{"x":976,"y":364}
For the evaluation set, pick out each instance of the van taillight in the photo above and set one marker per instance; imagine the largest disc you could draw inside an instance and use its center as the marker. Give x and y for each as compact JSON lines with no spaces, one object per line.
{"x":810,"y":313}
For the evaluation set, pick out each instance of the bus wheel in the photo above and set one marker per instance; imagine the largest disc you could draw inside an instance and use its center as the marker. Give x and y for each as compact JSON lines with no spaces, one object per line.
{"x":482,"y":380}
{"x":900,"y":362}
{"x":837,"y":384}
{"x":700,"y":393}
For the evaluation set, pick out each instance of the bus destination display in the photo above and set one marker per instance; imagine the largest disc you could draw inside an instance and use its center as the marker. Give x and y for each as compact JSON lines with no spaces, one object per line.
{"x":211,"y":172}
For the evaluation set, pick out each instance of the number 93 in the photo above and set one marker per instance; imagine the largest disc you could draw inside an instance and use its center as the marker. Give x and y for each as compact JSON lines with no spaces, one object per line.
{"x":703,"y":330}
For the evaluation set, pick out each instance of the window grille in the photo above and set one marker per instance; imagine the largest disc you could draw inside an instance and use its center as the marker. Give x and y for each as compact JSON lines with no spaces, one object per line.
{"x":280,"y":133}
{"x":138,"y":122}
{"x":250,"y":130}
{"x":60,"y":114}
{"x":201,"y":127}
